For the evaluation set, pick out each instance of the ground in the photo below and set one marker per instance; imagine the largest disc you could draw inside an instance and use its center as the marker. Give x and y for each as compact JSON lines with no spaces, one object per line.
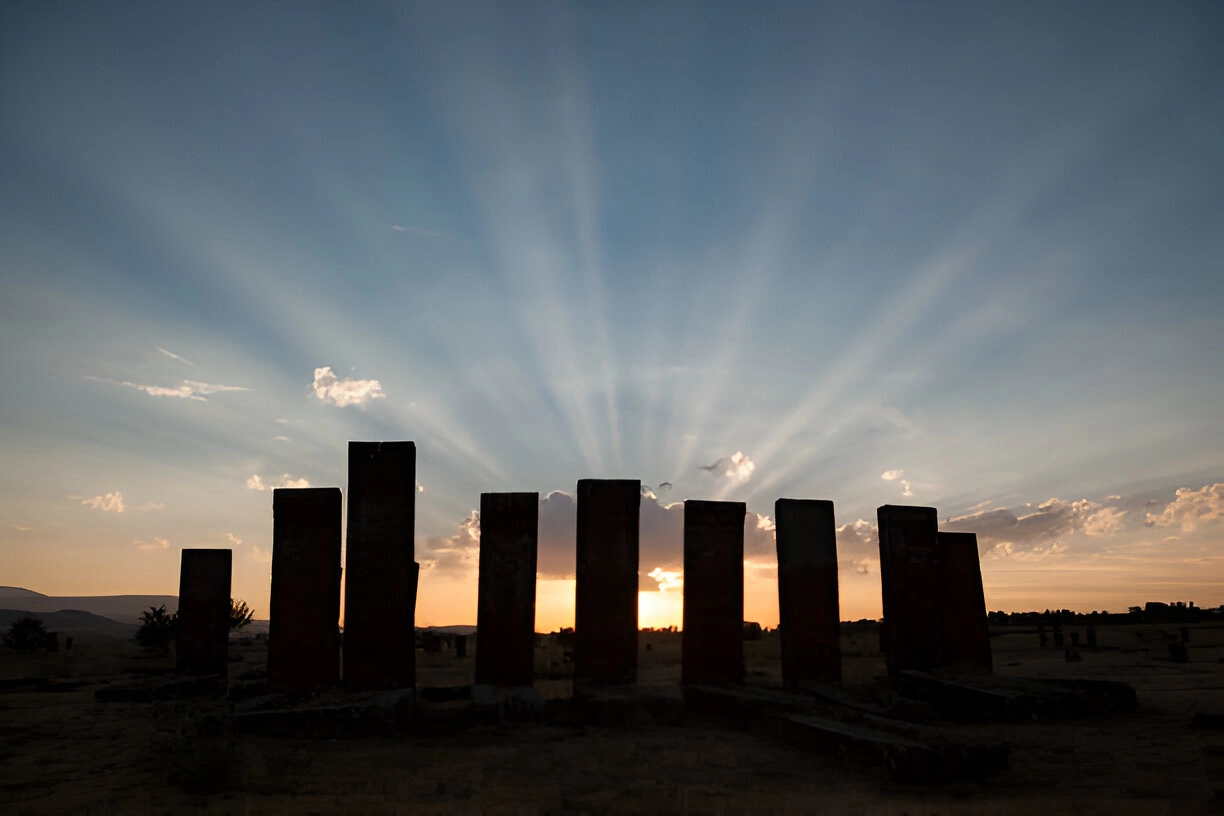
{"x":62,"y":751}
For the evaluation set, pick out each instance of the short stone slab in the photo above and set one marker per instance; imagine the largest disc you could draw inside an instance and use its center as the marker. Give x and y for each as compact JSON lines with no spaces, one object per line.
{"x":1052,"y":698}
{"x":966,"y":703}
{"x":212,"y":685}
{"x":912,"y":754}
{"x":372,"y":713}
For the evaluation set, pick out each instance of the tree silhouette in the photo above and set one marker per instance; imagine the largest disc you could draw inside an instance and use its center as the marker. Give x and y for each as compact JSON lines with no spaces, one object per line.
{"x":25,"y":635}
{"x":157,"y":629}
{"x":240,"y":614}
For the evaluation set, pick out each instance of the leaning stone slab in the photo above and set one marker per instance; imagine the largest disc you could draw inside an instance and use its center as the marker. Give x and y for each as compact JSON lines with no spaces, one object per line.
{"x":965,"y":703}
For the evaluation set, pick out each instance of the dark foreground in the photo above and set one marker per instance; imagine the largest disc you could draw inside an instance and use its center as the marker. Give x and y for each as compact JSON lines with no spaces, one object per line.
{"x":64,"y":751}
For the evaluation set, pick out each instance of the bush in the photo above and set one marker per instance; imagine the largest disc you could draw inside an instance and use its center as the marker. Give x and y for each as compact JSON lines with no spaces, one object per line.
{"x":25,"y":635}
{"x":157,"y":629}
{"x":240,"y":614}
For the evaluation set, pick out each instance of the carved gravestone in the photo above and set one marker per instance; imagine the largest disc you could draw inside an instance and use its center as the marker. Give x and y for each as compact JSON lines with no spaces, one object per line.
{"x":303,"y":634}
{"x":909,"y":582}
{"x":606,"y":595}
{"x":712,"y":648}
{"x":807,"y":590}
{"x":505,"y":613}
{"x":204,"y":612}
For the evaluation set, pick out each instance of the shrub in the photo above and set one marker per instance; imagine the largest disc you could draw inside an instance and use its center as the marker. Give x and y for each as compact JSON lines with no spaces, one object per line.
{"x":25,"y":635}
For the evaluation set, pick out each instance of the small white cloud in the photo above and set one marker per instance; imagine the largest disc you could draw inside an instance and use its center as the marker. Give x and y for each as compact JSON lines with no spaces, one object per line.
{"x":190,"y":389}
{"x":420,"y":487}
{"x":331,"y":389}
{"x":108,"y":503}
{"x":157,"y":544}
{"x":256,"y":482}
{"x":233,"y":539}
{"x":260,"y":555}
{"x":21,"y":529}
{"x":667,"y":580}
{"x":282,"y":439}
{"x":736,"y":468}
{"x":174,"y":356}
{"x":895,"y":476}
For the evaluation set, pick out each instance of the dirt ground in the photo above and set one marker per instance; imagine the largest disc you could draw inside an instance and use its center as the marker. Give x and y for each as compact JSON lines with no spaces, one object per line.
{"x":62,"y":751}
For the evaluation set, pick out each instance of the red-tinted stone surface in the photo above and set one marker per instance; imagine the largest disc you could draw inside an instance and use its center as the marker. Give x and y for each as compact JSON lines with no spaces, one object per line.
{"x":712,"y":649}
{"x":380,"y":574}
{"x":505,"y":609}
{"x":303,"y":634}
{"x":606,"y":602}
{"x":204,"y":612}
{"x":966,"y":635}
{"x":910,"y":584}
{"x":806,"y":537}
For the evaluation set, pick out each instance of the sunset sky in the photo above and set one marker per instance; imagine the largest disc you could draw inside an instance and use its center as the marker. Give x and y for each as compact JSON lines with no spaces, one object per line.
{"x":969,"y":256}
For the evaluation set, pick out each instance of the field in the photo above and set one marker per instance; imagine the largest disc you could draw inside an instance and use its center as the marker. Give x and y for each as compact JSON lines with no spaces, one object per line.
{"x":63,"y":751}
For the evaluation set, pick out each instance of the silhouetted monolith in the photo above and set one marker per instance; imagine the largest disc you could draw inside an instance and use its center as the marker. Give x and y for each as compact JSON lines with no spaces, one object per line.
{"x":806,"y":537}
{"x":380,"y":575}
{"x":909,"y":583}
{"x":303,"y":634}
{"x":712,"y":649}
{"x":204,"y":612}
{"x":606,"y":596}
{"x":505,"y":610}
{"x":966,"y":633}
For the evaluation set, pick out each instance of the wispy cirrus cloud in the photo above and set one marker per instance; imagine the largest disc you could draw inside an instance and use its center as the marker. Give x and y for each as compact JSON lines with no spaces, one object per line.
{"x":735,"y":469}
{"x":189,"y":389}
{"x":21,"y":529}
{"x":256,"y":482}
{"x":107,"y":502}
{"x":233,"y":539}
{"x":177,"y":357}
{"x":335,"y":391}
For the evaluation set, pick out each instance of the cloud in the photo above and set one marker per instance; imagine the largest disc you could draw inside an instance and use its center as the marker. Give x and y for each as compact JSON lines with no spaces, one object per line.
{"x":21,"y":529}
{"x":282,"y":439}
{"x":256,"y":482}
{"x":108,"y":503}
{"x":190,"y":389}
{"x":153,"y":506}
{"x":419,"y":231}
{"x":174,"y":356}
{"x":857,"y":537}
{"x":260,"y":555}
{"x":896,"y":476}
{"x":331,"y":389}
{"x":455,"y":553}
{"x":1042,"y":531}
{"x":233,"y":539}
{"x":663,"y":580}
{"x":1191,"y":508}
{"x":736,"y":469}
{"x":158,"y":544}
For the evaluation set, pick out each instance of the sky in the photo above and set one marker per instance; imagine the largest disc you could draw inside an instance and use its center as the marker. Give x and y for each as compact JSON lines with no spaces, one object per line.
{"x":966,"y":256}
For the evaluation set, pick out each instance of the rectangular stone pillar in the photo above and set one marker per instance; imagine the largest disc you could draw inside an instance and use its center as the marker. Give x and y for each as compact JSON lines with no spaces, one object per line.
{"x":380,"y":574}
{"x":910,"y":586}
{"x":204,"y":612}
{"x":606,"y":597}
{"x":966,"y":634}
{"x":303,"y":635}
{"x":806,"y":537}
{"x":712,"y":648}
{"x":505,"y":609}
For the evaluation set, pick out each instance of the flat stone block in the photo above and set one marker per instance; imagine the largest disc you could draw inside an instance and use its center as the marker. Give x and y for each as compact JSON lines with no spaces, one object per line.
{"x":304,"y":636}
{"x":380,"y":573}
{"x":712,"y":649}
{"x":505,"y":612}
{"x":806,"y":535}
{"x":606,"y":596}
{"x":204,"y":612}
{"x":909,"y":582}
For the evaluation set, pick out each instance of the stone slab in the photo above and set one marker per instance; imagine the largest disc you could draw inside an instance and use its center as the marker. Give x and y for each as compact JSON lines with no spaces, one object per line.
{"x":712,"y":649}
{"x":505,"y":610}
{"x":909,"y":581}
{"x":380,"y":574}
{"x":202,"y":645}
{"x":806,"y":535}
{"x":303,"y":633}
{"x":606,"y":595}
{"x":965,"y":639}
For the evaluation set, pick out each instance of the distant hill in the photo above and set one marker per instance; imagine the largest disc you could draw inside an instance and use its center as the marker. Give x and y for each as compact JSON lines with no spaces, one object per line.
{"x":121,"y":608}
{"x":72,"y":622}
{"x":7,"y":592}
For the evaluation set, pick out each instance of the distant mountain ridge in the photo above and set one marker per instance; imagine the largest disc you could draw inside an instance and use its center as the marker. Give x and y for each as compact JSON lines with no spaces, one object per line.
{"x":73,"y":622}
{"x":125,"y":609}
{"x":7,"y":592}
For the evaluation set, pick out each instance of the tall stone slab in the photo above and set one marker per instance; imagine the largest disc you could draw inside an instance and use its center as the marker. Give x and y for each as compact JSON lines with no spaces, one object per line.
{"x":606,"y":596}
{"x":966,"y":634}
{"x":204,"y":612}
{"x":303,"y":634}
{"x":380,"y":573}
{"x":712,"y":649}
{"x":505,"y":609}
{"x":806,"y":536}
{"x":910,"y":586}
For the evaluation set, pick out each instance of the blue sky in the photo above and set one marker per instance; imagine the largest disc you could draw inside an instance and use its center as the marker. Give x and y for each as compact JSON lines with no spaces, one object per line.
{"x":975,"y":248}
